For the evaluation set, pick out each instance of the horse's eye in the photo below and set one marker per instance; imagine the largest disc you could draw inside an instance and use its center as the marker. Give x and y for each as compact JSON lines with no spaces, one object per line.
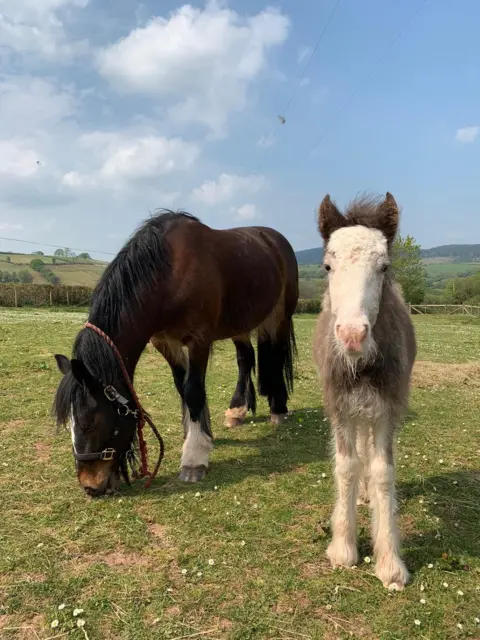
{"x":384,"y":268}
{"x":327,"y":267}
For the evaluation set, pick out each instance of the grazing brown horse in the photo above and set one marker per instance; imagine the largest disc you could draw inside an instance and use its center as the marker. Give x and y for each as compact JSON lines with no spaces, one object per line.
{"x":364,"y":348}
{"x":182,"y":285}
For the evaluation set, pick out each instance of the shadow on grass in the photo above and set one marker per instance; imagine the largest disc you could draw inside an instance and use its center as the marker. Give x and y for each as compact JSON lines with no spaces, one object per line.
{"x":297,"y":442}
{"x":453,"y":499}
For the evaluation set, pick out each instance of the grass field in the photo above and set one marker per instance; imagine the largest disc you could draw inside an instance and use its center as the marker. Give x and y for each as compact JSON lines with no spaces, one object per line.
{"x":81,"y":272}
{"x":241,"y":556}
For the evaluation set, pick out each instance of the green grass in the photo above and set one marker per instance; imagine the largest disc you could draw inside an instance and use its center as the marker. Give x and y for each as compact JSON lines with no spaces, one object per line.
{"x":139,"y":564}
{"x":81,"y":272}
{"x":451,"y":269}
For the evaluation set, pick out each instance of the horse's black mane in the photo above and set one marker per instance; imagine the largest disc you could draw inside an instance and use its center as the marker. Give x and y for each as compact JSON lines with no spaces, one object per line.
{"x":133,"y":272}
{"x":117,"y":297}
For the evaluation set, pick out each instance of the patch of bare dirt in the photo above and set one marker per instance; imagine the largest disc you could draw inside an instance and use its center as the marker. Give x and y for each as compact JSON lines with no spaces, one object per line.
{"x":24,"y":629}
{"x":10,"y":427}
{"x":430,"y":375}
{"x":116,"y":559}
{"x":43,"y":451}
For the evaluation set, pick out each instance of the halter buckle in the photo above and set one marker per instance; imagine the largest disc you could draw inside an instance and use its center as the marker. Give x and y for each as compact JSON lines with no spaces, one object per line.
{"x":107,"y":454}
{"x":111,"y":393}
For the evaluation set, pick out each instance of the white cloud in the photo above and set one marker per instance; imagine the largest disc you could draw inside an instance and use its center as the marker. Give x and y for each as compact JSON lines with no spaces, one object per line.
{"x":7,"y":226}
{"x":38,"y":27}
{"x":28,"y":104}
{"x":227,"y":186}
{"x":120,"y":158}
{"x":17,"y":159}
{"x":467,"y":134}
{"x":200,"y":62}
{"x":265,"y":142}
{"x":247,"y":212}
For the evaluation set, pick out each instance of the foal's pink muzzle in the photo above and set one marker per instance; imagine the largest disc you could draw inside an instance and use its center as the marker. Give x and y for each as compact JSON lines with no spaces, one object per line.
{"x":352,"y":337}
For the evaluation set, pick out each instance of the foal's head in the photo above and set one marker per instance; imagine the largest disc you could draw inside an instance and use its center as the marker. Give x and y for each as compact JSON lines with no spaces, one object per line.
{"x":102,"y":426}
{"x":357,"y":259}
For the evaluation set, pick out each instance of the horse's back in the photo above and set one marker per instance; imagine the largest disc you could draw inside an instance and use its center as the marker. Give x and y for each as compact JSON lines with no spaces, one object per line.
{"x":239,"y":275}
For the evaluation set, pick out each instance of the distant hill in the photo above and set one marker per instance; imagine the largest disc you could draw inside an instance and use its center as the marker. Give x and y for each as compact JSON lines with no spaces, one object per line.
{"x":70,"y":271}
{"x":455,"y":253}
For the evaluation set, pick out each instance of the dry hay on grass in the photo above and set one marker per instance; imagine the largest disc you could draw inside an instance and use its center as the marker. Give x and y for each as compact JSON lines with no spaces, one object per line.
{"x":428,"y":375}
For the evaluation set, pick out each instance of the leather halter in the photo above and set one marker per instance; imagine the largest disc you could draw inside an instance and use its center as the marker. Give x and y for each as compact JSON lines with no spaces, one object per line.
{"x":124,"y":409}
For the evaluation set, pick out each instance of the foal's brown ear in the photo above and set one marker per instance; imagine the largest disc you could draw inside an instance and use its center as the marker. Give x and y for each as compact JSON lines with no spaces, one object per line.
{"x":388,"y":216}
{"x":329,"y":218}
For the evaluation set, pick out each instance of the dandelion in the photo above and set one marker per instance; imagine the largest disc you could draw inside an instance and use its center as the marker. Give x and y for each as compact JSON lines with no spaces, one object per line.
{"x":460,"y":626}
{"x":441,"y":461}
{"x":215,"y":487}
{"x":417,"y":622}
{"x":242,"y":543}
{"x":211,"y":562}
{"x":77,"y":612}
{"x":423,"y":601}
{"x":476,"y":620}
{"x":422,"y":587}
{"x":328,"y":606}
{"x":156,"y":621}
{"x":324,"y":475}
{"x":459,"y":593}
{"x":430,"y":566}
{"x":54,"y":624}
{"x":421,"y":500}
{"x":255,"y":506}
{"x":61,"y":607}
{"x":367,"y":560}
{"x":445,"y":584}
{"x":197,"y":495}
{"x":184,"y":572}
{"x":199,"y":574}
{"x":39,"y":545}
{"x":80,"y":623}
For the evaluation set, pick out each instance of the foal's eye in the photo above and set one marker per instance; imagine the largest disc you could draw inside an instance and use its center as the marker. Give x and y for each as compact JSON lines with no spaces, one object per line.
{"x":384,"y":268}
{"x":327,"y":267}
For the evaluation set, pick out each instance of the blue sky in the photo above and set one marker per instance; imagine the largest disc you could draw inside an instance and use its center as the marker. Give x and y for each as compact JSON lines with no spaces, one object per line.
{"x":109,"y":110}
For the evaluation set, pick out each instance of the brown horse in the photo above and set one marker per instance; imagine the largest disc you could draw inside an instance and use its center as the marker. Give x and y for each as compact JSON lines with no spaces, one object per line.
{"x":182,"y":285}
{"x":364,"y":348}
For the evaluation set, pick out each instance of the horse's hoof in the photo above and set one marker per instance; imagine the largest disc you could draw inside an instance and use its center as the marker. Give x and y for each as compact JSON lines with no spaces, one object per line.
{"x":278,"y":418}
{"x":192,"y":474}
{"x":235,"y":416}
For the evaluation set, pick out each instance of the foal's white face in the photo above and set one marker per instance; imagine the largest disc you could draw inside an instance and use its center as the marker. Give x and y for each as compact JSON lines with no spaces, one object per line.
{"x":356,"y":261}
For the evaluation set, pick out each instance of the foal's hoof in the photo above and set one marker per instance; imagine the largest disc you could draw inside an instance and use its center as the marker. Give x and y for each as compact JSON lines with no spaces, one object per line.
{"x":278,"y":418}
{"x":235,"y":416}
{"x":193,"y":474}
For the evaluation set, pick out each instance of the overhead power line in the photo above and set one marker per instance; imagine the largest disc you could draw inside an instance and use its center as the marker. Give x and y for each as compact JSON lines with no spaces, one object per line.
{"x":282,"y":117}
{"x":56,"y":246}
{"x":369,"y":74}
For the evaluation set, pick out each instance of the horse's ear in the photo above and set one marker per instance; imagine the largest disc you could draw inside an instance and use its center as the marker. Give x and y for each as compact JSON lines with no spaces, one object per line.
{"x":329,"y":218}
{"x":388,"y":216}
{"x":84,"y":377}
{"x":63,"y":363}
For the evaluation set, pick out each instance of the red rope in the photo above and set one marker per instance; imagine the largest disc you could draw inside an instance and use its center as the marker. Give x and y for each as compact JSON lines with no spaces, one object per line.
{"x":144,"y":417}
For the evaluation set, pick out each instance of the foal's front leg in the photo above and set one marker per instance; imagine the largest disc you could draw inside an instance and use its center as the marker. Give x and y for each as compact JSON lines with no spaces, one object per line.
{"x":198,"y":440}
{"x":390,"y":569}
{"x":342,"y":551}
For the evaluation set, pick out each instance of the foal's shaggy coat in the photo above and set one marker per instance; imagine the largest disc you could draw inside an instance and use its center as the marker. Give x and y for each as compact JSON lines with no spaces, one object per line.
{"x":364,"y":348}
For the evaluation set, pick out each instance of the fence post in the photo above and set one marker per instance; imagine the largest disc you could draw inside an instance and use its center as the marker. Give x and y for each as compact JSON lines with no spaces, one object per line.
{"x":68,"y":299}
{"x":51,"y":300}
{"x":15,"y":295}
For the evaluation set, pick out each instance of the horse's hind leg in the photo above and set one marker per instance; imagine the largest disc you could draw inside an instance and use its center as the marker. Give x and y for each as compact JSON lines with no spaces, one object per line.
{"x":244,"y":398}
{"x":275,"y":367}
{"x":198,"y":441}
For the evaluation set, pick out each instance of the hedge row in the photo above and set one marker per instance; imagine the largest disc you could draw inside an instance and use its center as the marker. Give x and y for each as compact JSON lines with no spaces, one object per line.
{"x":43,"y":295}
{"x":39,"y":295}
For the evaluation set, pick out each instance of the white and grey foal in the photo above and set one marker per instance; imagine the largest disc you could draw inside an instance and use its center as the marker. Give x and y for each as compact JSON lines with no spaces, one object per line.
{"x":364,"y":348}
